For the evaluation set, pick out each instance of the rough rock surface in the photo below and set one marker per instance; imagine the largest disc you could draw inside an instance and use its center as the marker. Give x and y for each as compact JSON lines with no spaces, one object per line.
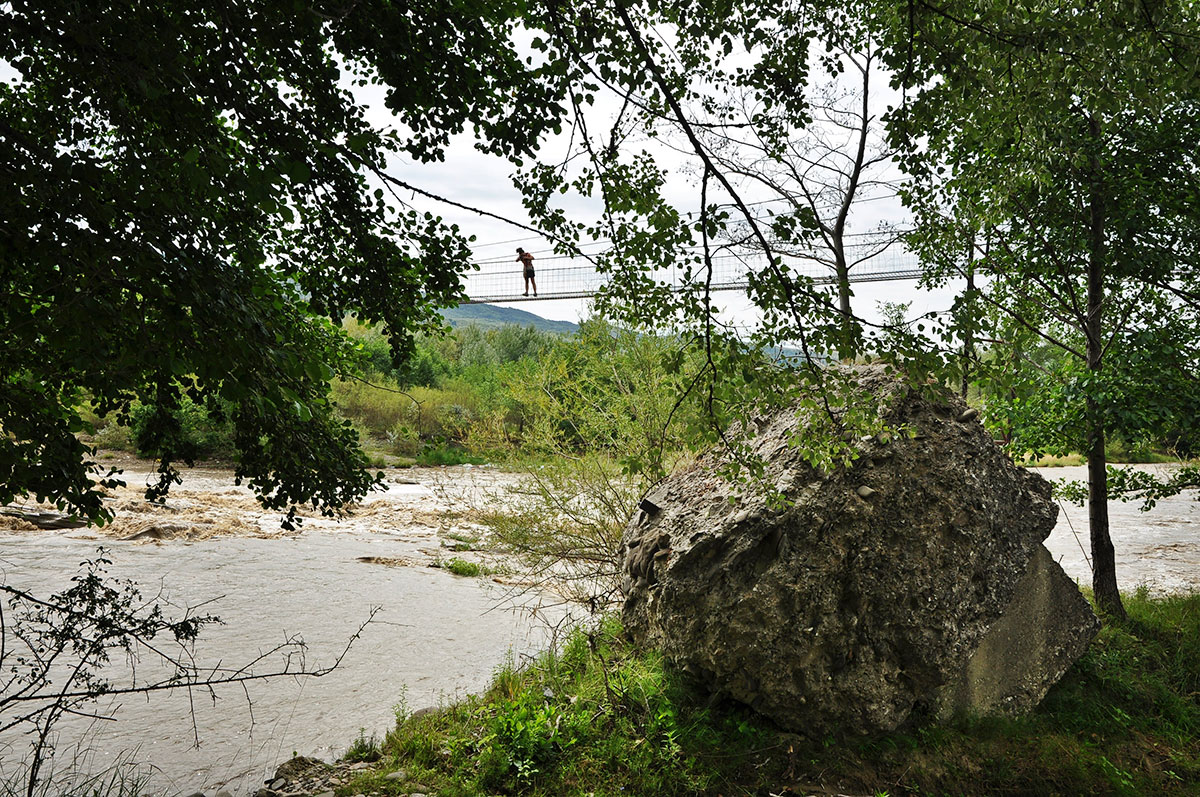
{"x":912,"y":581}
{"x":302,"y":776}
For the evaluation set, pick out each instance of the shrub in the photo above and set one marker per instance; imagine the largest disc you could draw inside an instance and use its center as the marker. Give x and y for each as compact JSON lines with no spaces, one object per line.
{"x":461,"y":567}
{"x":201,"y":432}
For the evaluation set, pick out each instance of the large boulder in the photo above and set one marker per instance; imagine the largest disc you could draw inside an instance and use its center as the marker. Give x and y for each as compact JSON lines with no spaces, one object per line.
{"x":913,"y":581}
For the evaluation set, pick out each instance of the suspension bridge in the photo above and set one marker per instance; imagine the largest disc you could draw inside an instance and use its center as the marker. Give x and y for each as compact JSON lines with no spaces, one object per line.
{"x":560,"y":277}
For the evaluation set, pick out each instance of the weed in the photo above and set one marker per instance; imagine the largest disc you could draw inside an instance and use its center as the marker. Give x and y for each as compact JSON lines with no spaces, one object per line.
{"x":443,"y":454}
{"x":1052,"y":461}
{"x":363,"y":748}
{"x":400,"y":708}
{"x":459,"y":542}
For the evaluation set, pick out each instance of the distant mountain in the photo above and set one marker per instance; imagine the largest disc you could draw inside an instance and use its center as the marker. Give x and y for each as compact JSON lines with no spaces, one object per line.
{"x":488,"y":317}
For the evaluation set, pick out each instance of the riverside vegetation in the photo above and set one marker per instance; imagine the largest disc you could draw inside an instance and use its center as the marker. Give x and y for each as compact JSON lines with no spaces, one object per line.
{"x":599,"y":717}
{"x":511,"y":395}
{"x":501,"y":395}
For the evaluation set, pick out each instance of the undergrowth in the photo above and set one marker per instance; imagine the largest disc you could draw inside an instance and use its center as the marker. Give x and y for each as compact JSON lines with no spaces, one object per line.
{"x":599,"y":717}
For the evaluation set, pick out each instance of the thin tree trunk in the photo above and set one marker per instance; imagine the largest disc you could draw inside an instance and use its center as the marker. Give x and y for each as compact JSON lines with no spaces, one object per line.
{"x":969,"y":338}
{"x":1104,"y":566}
{"x":843,"y":286}
{"x":841,"y":264}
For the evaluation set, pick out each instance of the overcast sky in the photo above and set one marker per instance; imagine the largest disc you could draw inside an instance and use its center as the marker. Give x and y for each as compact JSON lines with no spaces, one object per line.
{"x":481,"y":181}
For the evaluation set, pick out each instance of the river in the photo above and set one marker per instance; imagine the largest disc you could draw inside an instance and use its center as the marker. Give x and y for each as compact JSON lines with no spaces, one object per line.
{"x":436,"y":636}
{"x":1159,"y":549}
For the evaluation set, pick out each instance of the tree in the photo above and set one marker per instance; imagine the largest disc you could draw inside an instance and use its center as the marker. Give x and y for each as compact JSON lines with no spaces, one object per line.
{"x":193,"y":194}
{"x":604,"y":422}
{"x":1066,"y":134}
{"x":680,"y":79}
{"x":820,"y":166}
{"x":192,"y":198}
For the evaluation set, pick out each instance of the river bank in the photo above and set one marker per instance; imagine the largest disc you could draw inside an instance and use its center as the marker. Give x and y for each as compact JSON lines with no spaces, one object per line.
{"x":439,"y":636}
{"x":606,"y":719}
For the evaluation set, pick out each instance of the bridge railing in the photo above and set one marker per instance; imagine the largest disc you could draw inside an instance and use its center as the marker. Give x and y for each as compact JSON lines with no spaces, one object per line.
{"x":575,"y":278}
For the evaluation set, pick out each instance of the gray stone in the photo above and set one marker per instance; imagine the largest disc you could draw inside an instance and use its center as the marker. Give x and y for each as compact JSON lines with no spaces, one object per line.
{"x":1048,"y":622}
{"x":223,"y":793}
{"x":839,"y":613}
{"x":399,"y":774}
{"x":299,"y":767}
{"x":277,"y":784}
{"x":197,"y":794}
{"x":327,"y":793}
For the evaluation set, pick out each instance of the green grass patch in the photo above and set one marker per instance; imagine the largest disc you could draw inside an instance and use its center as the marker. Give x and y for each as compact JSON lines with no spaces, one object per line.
{"x":1050,"y":461}
{"x":1116,"y":455}
{"x":363,"y":748}
{"x":447,"y":455}
{"x":461,"y":541}
{"x":462,"y":567}
{"x":599,"y":717}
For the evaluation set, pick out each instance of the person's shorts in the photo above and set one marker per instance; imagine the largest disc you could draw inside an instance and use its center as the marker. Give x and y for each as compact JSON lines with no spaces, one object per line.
{"x":529,"y":272}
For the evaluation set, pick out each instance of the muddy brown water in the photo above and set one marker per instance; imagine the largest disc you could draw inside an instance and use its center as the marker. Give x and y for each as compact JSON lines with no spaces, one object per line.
{"x":1159,"y":549}
{"x":437,"y":635}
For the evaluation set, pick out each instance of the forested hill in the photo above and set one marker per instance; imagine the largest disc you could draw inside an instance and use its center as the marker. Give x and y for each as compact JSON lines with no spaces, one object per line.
{"x":487,"y":317}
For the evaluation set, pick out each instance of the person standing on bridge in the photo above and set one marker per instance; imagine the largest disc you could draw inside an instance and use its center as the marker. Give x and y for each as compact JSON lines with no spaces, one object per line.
{"x":526,"y":260}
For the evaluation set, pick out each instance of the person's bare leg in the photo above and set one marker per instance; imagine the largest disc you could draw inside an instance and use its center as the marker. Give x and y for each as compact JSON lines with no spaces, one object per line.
{"x":531,"y":279}
{"x":527,"y":287}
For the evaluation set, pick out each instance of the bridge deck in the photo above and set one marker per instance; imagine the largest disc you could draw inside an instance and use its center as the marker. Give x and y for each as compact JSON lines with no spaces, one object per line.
{"x":573,"y":280}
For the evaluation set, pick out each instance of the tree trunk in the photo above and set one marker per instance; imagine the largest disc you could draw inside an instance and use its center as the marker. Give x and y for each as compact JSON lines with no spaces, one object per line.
{"x":1104,"y":566}
{"x":841,"y":265}
{"x":843,"y":286}
{"x":968,"y":354}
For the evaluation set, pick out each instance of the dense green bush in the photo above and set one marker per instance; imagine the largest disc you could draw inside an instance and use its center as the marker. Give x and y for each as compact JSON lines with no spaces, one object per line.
{"x":202,"y":432}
